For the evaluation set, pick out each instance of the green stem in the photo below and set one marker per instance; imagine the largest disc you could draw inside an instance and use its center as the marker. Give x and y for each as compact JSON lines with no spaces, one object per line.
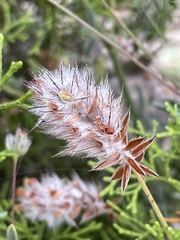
{"x":1,"y":46}
{"x":17,"y":103}
{"x":127,"y":31}
{"x":107,"y":40}
{"x":154,"y":205}
{"x":154,"y":26}
{"x":5,"y":153}
{"x":14,"y":187}
{"x":12,"y":91}
{"x":120,"y":73}
{"x":13,"y":68}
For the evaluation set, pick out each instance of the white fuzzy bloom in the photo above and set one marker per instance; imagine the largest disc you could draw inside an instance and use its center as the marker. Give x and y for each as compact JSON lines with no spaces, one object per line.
{"x":52,"y":200}
{"x":56,"y":201}
{"x":71,"y":106}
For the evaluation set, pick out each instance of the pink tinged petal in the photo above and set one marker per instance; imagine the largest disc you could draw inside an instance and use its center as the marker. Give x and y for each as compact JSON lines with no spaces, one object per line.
{"x":142,"y":147}
{"x":90,"y":214}
{"x":118,"y":173}
{"x":133,"y":143}
{"x":125,"y":177}
{"x":94,"y":104}
{"x":112,"y":160}
{"x":99,"y":165}
{"x":125,"y":124}
{"x":135,"y":165}
{"x":86,"y":216}
{"x":125,"y":138}
{"x":92,"y":108}
{"x":94,"y":209}
{"x":148,"y":171}
{"x":140,"y":157}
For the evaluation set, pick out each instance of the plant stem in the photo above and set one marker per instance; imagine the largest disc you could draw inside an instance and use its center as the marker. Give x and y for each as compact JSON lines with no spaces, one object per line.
{"x":12,"y":69}
{"x":12,"y":91}
{"x":154,"y":205}
{"x":127,"y":31}
{"x":155,"y":26}
{"x":17,"y":103}
{"x":1,"y":46}
{"x":13,"y":187}
{"x":107,"y":40}
{"x":119,"y":71}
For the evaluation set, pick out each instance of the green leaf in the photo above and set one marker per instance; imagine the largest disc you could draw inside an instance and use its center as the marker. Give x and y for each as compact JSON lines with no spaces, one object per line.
{"x":3,"y":214}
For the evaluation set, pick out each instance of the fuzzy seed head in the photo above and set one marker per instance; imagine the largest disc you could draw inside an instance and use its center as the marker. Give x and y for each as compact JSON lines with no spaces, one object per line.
{"x":71,"y":106}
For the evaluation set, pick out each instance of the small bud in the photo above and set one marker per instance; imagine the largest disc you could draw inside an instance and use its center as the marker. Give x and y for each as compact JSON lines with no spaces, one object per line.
{"x":18,"y":143}
{"x":12,"y":233}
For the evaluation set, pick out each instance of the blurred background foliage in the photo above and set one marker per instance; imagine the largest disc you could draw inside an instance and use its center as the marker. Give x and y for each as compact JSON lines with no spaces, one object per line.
{"x":39,"y":34}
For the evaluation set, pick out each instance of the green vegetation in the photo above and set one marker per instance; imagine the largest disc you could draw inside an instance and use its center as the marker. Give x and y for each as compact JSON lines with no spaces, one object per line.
{"x":114,"y":37}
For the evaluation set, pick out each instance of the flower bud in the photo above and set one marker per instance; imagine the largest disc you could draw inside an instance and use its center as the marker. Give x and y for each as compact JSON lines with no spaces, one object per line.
{"x":18,"y":143}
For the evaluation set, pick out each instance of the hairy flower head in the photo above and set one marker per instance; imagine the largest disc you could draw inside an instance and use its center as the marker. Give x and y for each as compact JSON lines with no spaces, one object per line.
{"x":71,"y":106}
{"x":56,"y":200}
